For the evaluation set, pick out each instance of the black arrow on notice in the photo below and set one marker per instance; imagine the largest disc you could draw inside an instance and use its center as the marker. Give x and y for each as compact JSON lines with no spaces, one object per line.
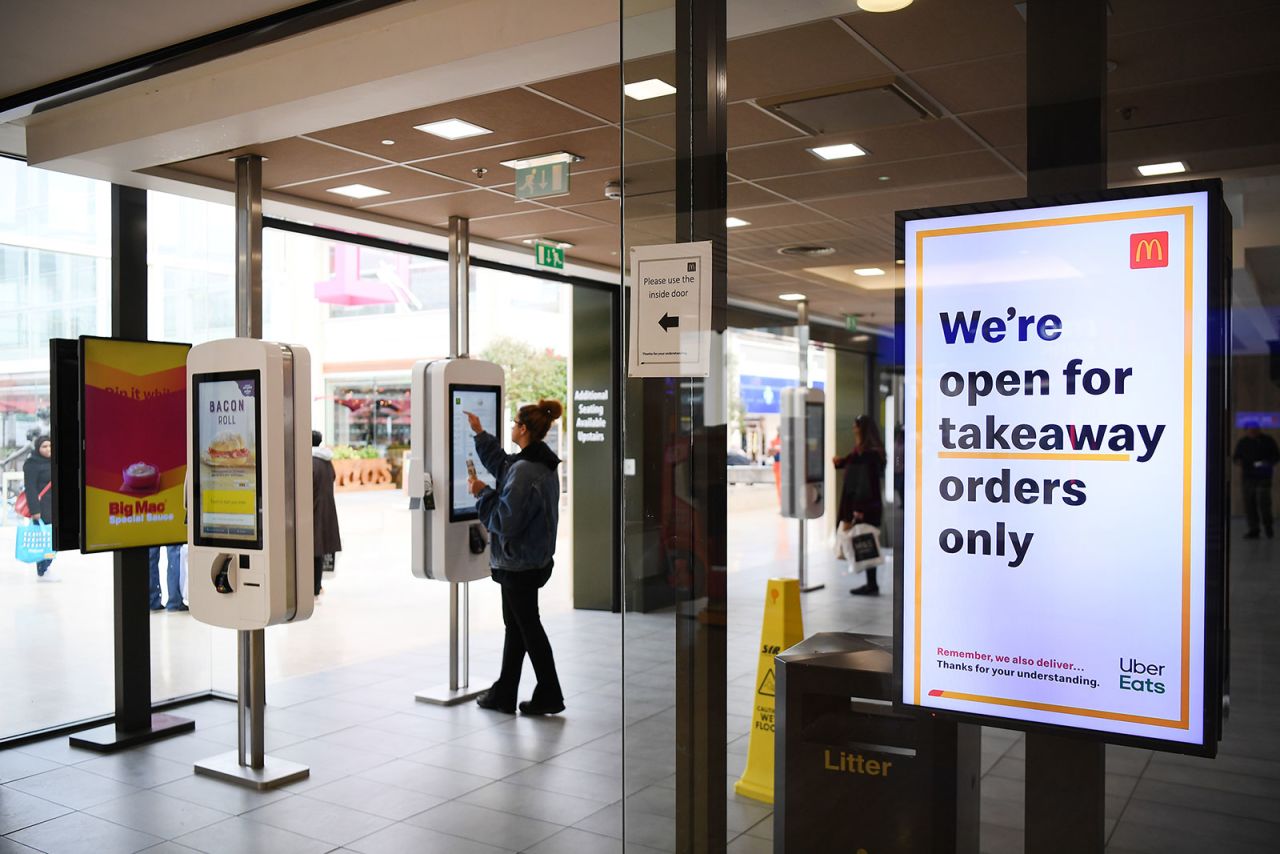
{"x":668,"y":322}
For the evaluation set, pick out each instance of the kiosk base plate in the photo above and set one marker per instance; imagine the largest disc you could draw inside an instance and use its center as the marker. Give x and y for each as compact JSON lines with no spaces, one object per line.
{"x":108,"y":739}
{"x":273,"y":773}
{"x":443,"y":695}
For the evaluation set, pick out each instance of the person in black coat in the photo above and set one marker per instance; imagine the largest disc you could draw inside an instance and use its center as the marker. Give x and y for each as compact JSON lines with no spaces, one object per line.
{"x":1257,"y":454}
{"x":325,"y":534}
{"x":37,"y":480}
{"x":860,"y":497}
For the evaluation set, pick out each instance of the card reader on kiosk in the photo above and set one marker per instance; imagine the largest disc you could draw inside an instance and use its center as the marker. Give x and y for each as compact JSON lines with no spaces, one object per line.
{"x":249,"y":483}
{"x":803,"y":453}
{"x":449,"y":543}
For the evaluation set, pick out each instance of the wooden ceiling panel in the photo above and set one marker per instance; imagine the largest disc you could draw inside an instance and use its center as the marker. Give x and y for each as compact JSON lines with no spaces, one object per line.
{"x":1000,"y":127}
{"x":860,"y":180}
{"x":599,"y":147}
{"x":744,"y":195}
{"x":1228,"y":44}
{"x":399,"y":182}
{"x":882,"y":205}
{"x":604,"y":211}
{"x":884,"y":145}
{"x":926,"y":35}
{"x":987,"y":84}
{"x":798,"y":59}
{"x":288,"y":160}
{"x":771,"y":216}
{"x":438,"y":209}
{"x":511,"y":115}
{"x":593,"y":91}
{"x":532,"y":224}
{"x":748,"y":125}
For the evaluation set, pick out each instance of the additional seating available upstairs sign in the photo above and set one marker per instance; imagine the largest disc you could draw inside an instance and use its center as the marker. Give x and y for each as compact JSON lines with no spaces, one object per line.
{"x":1062,"y":559}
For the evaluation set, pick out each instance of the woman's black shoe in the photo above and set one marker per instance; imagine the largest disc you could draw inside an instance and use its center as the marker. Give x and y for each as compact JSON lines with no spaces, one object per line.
{"x":865,"y":590}
{"x":486,"y":701}
{"x":529,"y":707}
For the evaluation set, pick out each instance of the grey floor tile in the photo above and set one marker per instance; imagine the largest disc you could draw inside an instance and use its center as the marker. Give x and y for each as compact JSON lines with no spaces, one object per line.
{"x":19,"y":810}
{"x":187,"y":749}
{"x":995,"y":839}
{"x":570,"y":781}
{"x":500,"y":829}
{"x":378,"y":741}
{"x":545,"y":806}
{"x":575,"y":841}
{"x":78,"y":833}
{"x":223,"y":797}
{"x":493,"y":765}
{"x":1180,"y":840}
{"x":8,"y":846}
{"x":327,"y":822}
{"x":157,"y":814}
{"x":763,"y":829}
{"x":241,"y":836}
{"x":138,"y":769}
{"x":58,"y":750}
{"x":750,"y":845}
{"x":73,"y":787}
{"x":427,"y":779}
{"x":162,"y":848}
{"x":404,"y":838}
{"x":14,"y":765}
{"x":371,"y":796}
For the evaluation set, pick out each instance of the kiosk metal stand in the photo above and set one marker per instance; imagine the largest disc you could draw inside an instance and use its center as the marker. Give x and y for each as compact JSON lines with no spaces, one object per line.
{"x":134,"y":723}
{"x":248,"y":765}
{"x":459,"y":689}
{"x":802,"y":340}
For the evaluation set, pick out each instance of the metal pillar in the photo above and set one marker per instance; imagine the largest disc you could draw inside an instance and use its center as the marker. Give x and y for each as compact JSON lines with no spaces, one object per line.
{"x":802,"y":343}
{"x":1066,"y":153}
{"x":459,"y":688}
{"x":248,"y":765}
{"x":134,"y":721}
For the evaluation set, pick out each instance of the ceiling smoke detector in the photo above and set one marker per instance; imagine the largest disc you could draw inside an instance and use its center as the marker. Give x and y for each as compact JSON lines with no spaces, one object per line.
{"x":805,"y":251}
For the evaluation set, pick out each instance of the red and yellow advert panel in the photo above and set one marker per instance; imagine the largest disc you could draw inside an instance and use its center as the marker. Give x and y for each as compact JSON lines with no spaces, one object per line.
{"x":133,"y":427}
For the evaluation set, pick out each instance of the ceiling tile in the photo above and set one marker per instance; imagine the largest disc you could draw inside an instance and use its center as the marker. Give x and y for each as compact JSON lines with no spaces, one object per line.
{"x":596,"y":91}
{"x":865,"y":179}
{"x":925,"y":35}
{"x":511,"y":115}
{"x":797,"y":59}
{"x":438,"y":209}
{"x":288,"y":160}
{"x":987,"y":84}
{"x":532,"y":224}
{"x":884,"y":204}
{"x":399,"y":182}
{"x":598,"y":147}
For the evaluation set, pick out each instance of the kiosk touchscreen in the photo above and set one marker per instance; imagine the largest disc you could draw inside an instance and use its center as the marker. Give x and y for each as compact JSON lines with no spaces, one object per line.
{"x":803,"y":452}
{"x":449,"y":543}
{"x":249,"y":483}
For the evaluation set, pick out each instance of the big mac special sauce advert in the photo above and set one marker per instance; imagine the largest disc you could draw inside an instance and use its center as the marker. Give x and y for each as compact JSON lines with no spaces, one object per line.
{"x":134,"y":433}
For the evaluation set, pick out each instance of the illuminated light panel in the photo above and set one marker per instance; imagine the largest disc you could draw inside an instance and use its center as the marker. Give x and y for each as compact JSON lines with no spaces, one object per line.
{"x":542,"y":160}
{"x":1148,"y":170}
{"x":734,"y":222}
{"x":838,"y":152}
{"x":883,"y":5}
{"x":645,"y":90}
{"x":843,"y":274}
{"x":358,"y":191}
{"x":792,"y":297}
{"x":868,"y":271}
{"x":452,"y":129}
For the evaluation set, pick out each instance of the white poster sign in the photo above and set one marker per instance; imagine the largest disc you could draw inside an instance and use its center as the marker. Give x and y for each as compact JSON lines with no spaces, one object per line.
{"x":670,"y":310}
{"x":1054,"y":563}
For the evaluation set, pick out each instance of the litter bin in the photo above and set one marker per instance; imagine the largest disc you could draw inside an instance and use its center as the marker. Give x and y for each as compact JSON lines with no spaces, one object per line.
{"x":853,"y":776}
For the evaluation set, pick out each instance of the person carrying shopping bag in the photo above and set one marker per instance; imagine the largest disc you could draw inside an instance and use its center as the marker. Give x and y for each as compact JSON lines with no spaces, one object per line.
{"x":37,"y":478}
{"x":860,"y":497}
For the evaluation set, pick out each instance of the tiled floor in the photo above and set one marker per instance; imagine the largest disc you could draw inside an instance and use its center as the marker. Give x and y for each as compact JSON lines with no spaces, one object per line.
{"x":396,"y":776}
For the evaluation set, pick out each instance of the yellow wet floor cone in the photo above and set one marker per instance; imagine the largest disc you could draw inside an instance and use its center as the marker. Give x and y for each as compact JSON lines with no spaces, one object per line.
{"x":782,"y":628}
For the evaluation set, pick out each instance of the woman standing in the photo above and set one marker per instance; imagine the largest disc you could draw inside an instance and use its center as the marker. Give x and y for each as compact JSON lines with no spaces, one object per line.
{"x":326,"y":538}
{"x":860,"y":499}
{"x":521,"y":514}
{"x":37,"y":482}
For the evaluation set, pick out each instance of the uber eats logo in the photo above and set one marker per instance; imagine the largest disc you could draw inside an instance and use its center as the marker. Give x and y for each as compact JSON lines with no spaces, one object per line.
{"x":1138,"y":676}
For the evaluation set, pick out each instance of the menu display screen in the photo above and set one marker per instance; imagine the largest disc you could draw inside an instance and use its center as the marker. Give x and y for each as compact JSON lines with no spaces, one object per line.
{"x":228,"y":485}
{"x":133,"y":403}
{"x":481,"y":401}
{"x":814,"y":442}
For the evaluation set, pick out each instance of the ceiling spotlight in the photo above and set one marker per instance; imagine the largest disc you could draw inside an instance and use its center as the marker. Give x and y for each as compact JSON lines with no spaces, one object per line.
{"x":883,"y":178}
{"x":868,"y":271}
{"x":838,"y":152}
{"x":859,"y":339}
{"x":358,"y":191}
{"x":542,"y":160}
{"x":883,"y":5}
{"x":452,"y":129}
{"x":534,"y":241}
{"x":734,"y":222}
{"x":388,"y":142}
{"x":792,"y":297}
{"x":1151,"y":169}
{"x":644,"y":90}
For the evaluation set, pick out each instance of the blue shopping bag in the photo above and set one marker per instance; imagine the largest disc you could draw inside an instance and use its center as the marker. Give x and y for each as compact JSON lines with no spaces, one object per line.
{"x":34,"y":543}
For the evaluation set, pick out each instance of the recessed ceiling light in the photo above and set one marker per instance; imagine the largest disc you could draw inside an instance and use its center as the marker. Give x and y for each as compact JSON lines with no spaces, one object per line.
{"x":858,"y":339}
{"x":452,"y":129}
{"x":900,"y":262}
{"x":838,"y":152}
{"x":388,"y":142}
{"x":358,"y":191}
{"x":807,"y":251}
{"x":1150,"y":169}
{"x":542,"y":160}
{"x":883,"y":178}
{"x":792,"y":297}
{"x":534,"y":241}
{"x":644,"y":90}
{"x":868,"y":271}
{"x":734,"y":222}
{"x":883,"y":5}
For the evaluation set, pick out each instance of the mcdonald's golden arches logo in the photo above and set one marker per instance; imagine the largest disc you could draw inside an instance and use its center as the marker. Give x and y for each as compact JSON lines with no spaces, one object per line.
{"x":1148,"y":249}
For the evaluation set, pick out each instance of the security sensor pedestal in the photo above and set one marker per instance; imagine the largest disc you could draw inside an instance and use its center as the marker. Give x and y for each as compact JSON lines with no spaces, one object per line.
{"x":449,"y":543}
{"x":803,"y":463}
{"x":250,"y":520}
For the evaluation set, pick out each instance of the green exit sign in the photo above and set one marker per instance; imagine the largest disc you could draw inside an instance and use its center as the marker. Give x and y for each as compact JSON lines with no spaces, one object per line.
{"x":851,"y":322}
{"x":542,"y":180}
{"x":549,"y":256}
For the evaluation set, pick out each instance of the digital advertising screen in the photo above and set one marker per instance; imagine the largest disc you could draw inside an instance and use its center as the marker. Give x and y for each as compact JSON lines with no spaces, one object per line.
{"x":227,"y":490}
{"x":814,"y":437}
{"x":1059,"y":366}
{"x":482,"y":401}
{"x":132,"y":431}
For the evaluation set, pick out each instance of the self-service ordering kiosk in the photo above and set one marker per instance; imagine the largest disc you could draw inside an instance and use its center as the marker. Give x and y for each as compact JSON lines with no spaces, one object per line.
{"x":449,"y":543}
{"x":803,"y":452}
{"x":249,"y":483}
